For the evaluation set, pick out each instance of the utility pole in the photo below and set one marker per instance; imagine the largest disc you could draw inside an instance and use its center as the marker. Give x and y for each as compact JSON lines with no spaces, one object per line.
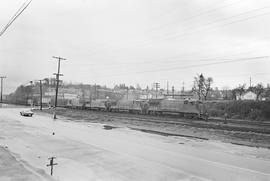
{"x":57,"y":81}
{"x":32,"y":94}
{"x":90,"y":94}
{"x":2,"y":77}
{"x":57,"y":78}
{"x":147,"y":91}
{"x":250,"y":81}
{"x":167,"y":87}
{"x":127,"y":93}
{"x":95,"y":91}
{"x":51,"y":164}
{"x":183,"y":88}
{"x":157,"y":85}
{"x":40,"y":92}
{"x":172,"y":91}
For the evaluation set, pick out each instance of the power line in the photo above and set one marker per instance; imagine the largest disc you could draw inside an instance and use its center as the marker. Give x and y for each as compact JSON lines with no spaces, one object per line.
{"x":237,"y":15}
{"x":191,"y":30}
{"x":197,"y":15}
{"x":187,"y":19}
{"x":195,"y":65}
{"x":177,"y":61}
{"x":216,"y":22}
{"x":16,"y":15}
{"x":226,"y":24}
{"x":207,"y":26}
{"x":167,"y":61}
{"x":163,"y":60}
{"x":197,"y":10}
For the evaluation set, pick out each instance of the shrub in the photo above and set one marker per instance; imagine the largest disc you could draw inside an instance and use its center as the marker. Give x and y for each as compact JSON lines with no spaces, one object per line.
{"x":253,"y":110}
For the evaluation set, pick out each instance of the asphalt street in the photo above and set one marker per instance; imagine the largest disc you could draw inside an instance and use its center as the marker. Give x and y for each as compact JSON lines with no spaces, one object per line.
{"x":87,"y":151}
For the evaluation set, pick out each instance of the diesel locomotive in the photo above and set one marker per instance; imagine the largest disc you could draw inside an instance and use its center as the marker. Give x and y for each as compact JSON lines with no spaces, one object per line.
{"x":187,"y":108}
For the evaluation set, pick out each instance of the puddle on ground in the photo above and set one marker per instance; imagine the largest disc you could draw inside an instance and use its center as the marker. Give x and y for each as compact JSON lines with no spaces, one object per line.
{"x":168,"y":134}
{"x":107,"y":127}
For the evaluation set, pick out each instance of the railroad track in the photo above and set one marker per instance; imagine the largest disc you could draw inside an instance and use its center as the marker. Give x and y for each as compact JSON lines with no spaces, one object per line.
{"x":212,"y":123}
{"x":202,"y":124}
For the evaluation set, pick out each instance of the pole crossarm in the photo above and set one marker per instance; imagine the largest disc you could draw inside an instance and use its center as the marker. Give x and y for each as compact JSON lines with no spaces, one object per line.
{"x":51,"y":164}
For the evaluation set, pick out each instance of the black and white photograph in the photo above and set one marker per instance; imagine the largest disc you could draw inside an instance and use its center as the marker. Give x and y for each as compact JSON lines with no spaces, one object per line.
{"x":135,"y":90}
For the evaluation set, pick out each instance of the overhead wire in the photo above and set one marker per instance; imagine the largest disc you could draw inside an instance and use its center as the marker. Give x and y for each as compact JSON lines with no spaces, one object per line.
{"x":191,"y":66}
{"x":206,"y":12}
{"x":194,"y":66}
{"x":236,"y":21}
{"x":196,"y":15}
{"x":223,"y":25}
{"x":154,"y":64}
{"x":187,"y":19}
{"x":189,"y":31}
{"x":167,"y":61}
{"x":207,"y":26}
{"x":15,"y":16}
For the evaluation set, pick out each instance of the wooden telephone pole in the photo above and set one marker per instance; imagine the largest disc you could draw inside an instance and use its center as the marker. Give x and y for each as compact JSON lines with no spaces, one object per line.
{"x":40,"y":93}
{"x":167,"y":88}
{"x":2,"y":77}
{"x":51,"y":164}
{"x":157,"y":85}
{"x":57,"y":81}
{"x":172,"y":91}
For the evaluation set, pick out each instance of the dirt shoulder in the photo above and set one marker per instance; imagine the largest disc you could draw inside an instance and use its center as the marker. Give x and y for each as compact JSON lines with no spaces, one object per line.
{"x":241,"y":134}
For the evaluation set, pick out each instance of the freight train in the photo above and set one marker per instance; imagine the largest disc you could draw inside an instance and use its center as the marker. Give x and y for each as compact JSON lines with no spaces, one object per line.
{"x":187,"y":108}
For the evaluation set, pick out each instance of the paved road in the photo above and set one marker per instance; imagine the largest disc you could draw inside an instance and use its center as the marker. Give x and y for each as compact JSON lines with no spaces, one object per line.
{"x":86,"y":151}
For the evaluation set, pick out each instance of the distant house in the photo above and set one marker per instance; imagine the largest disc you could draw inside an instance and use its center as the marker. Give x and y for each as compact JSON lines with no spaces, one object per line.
{"x":247,"y":96}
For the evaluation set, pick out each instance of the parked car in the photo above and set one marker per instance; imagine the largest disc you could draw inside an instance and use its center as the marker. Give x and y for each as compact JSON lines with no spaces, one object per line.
{"x":27,"y":113}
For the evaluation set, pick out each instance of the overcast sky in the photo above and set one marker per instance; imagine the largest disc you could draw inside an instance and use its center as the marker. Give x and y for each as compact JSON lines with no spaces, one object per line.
{"x":137,"y":41}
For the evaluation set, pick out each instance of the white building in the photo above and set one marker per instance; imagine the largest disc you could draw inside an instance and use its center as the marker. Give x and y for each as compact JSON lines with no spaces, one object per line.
{"x":247,"y":96}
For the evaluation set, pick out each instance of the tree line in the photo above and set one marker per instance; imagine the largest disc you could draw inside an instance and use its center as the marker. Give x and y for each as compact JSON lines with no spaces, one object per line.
{"x":202,"y":87}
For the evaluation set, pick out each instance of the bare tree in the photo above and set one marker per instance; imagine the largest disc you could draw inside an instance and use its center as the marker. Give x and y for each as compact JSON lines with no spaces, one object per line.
{"x":198,"y":84}
{"x":202,"y":86}
{"x":258,"y":90}
{"x":207,"y":87}
{"x":240,"y":90}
